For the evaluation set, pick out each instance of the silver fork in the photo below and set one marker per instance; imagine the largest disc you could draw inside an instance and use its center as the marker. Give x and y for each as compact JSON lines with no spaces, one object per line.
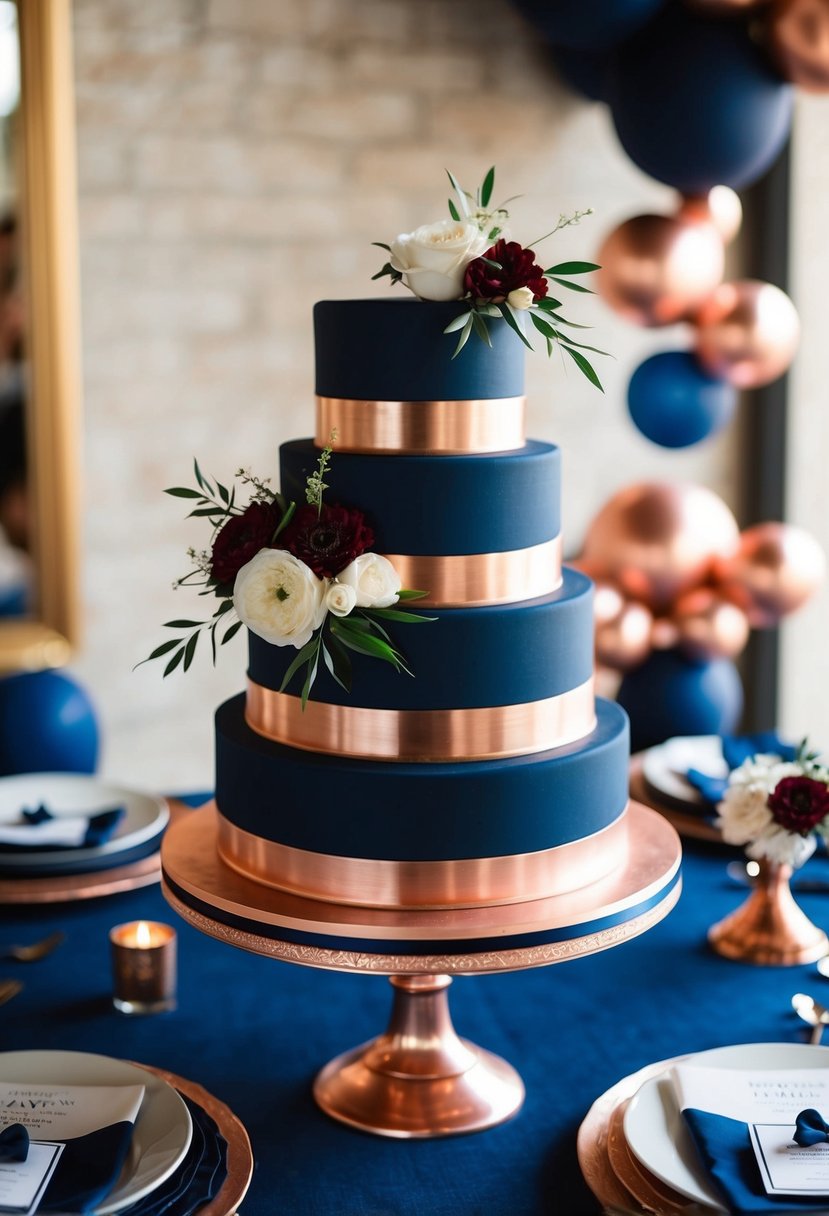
{"x":35,"y":952}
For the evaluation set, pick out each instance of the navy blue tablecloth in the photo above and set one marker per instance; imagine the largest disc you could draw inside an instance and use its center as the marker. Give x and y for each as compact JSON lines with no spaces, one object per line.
{"x":254,"y":1032}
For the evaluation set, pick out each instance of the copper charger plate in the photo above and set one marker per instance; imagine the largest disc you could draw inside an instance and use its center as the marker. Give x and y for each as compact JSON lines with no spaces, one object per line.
{"x":619,"y":1182}
{"x":692,"y":826}
{"x":67,"y":888}
{"x":239,"y":1160}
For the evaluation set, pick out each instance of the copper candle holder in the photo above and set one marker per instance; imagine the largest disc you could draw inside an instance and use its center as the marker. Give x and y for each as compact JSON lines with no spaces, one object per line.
{"x":769,"y":928}
{"x":143,"y":967}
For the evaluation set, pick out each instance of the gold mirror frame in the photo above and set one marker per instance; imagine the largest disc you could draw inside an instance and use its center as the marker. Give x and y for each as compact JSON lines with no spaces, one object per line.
{"x":49,"y":229}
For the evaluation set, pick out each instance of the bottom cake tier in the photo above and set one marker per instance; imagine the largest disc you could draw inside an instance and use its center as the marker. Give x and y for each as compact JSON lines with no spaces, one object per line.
{"x":226,"y":905}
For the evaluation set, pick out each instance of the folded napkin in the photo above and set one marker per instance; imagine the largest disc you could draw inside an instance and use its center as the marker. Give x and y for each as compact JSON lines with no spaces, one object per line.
{"x":88,"y":1169}
{"x":197,"y":1180}
{"x":736,"y":749}
{"x":724,"y":1148}
{"x":14,"y":1143}
{"x":41,"y":831}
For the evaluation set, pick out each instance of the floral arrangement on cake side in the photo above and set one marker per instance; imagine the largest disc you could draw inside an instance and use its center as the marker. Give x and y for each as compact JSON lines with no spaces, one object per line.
{"x":471,"y":258}
{"x":777,"y":807}
{"x":302,"y":576}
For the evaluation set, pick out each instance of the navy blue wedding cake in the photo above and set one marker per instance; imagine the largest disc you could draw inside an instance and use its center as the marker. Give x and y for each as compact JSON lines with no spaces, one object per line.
{"x":493,"y":774}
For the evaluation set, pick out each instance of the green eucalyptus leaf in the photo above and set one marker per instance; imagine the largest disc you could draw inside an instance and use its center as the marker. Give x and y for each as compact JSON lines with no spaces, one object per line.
{"x":183,"y":492}
{"x":338,"y":663}
{"x":190,"y":650}
{"x":457,"y":323}
{"x":479,"y":325}
{"x":542,"y":326}
{"x":285,"y":520}
{"x":453,"y":211}
{"x":573,"y":268}
{"x":509,"y":316}
{"x":174,"y":662}
{"x":202,"y":481}
{"x":311,"y":674}
{"x":183,"y":624}
{"x":382,"y":245}
{"x":486,"y":188}
{"x":162,"y":649}
{"x":366,"y":643}
{"x":231,"y":631}
{"x":584,"y":366}
{"x":464,"y":338}
{"x":394,"y":614}
{"x":302,"y":657}
{"x":573,"y":286}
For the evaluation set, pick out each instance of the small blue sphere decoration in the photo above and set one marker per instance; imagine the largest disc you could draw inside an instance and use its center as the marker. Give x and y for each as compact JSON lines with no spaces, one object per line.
{"x":696,"y":104}
{"x":674,"y":402}
{"x":671,"y":695}
{"x":591,"y":25}
{"x":47,"y":724}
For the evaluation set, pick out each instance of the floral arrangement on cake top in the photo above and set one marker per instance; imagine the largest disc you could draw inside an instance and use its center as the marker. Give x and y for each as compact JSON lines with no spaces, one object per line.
{"x":296,"y":576}
{"x":777,"y":807}
{"x":471,"y":258}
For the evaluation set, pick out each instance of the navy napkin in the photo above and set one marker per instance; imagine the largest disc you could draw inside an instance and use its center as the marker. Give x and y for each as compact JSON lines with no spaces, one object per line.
{"x":197,"y":1180}
{"x":14,"y":1143}
{"x":100,"y":828}
{"x":736,"y":749}
{"x":88,"y":1169}
{"x":724,"y":1148}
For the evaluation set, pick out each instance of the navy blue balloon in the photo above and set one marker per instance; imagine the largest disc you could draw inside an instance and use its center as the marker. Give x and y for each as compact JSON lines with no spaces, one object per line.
{"x":47,"y":724}
{"x":674,"y":402}
{"x":670,"y":695}
{"x":696,"y":104}
{"x":584,"y":71}
{"x":590,"y":25}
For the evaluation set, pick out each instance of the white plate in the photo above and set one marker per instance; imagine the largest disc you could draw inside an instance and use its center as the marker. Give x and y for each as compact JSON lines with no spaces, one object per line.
{"x":69,"y":794}
{"x":655,"y":1130}
{"x":163,"y":1129}
{"x":664,"y":767}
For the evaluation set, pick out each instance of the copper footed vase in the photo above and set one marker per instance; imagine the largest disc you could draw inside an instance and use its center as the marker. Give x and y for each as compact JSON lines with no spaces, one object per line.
{"x":419,"y":1079}
{"x":769,"y":929}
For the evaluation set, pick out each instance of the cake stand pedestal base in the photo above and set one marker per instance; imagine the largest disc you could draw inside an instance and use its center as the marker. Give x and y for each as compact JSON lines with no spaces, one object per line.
{"x":419,"y":1079}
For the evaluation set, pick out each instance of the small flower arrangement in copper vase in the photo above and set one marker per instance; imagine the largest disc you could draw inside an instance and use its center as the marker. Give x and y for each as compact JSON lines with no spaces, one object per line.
{"x":777,"y":809}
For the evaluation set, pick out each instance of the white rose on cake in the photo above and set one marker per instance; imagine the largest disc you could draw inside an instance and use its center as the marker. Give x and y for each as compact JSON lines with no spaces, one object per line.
{"x":374,"y":580}
{"x":433,"y":258}
{"x":279,"y":598}
{"x":340,"y":599}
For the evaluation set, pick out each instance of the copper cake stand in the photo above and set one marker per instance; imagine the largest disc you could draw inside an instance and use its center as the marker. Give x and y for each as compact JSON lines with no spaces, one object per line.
{"x":419,"y":1079}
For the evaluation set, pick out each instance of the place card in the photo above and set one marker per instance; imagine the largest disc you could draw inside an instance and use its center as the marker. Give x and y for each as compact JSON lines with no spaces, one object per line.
{"x":23,"y":1183}
{"x":62,"y":1112}
{"x":752,"y":1095}
{"x":787,"y":1169}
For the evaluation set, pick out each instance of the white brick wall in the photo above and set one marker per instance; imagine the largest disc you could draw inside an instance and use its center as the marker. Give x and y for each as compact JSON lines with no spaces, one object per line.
{"x":237,"y":157}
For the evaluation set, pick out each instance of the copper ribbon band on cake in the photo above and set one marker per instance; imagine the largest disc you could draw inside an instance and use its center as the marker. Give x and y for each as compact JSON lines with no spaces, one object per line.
{"x":425,"y":427}
{"x":487,"y":733}
{"x":469,"y":882}
{"x":477,"y":579}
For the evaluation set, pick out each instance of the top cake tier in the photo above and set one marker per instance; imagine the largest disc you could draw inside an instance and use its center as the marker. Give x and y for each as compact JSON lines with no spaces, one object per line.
{"x":386,"y":380}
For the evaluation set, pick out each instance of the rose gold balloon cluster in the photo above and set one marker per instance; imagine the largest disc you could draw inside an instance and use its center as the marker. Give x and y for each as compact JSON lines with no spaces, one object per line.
{"x":672,"y":569}
{"x":660,"y":269}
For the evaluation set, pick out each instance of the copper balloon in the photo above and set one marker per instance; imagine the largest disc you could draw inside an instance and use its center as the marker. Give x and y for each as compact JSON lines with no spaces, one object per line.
{"x":747,"y":333}
{"x":775,"y":570}
{"x":623,"y":629}
{"x":798,"y":36}
{"x":710,"y":627}
{"x":655,"y":269}
{"x":656,"y":540}
{"x":723,"y":8}
{"x":721,"y":207}
{"x":664,"y":635}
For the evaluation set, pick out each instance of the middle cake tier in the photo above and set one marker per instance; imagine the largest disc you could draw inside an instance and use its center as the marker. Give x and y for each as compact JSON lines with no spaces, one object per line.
{"x":494,"y":681}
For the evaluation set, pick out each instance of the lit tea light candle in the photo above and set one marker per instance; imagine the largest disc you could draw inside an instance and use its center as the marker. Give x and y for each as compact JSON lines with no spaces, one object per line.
{"x":143,"y":967}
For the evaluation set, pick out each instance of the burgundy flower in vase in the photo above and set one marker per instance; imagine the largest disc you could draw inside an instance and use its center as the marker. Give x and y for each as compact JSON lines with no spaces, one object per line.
{"x":241,"y":538}
{"x":518,"y":268}
{"x":327,"y":540}
{"x":799,"y":804}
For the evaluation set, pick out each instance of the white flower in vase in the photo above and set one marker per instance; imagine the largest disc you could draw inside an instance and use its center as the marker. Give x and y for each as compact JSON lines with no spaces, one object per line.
{"x":279,"y":598}
{"x":744,"y":813}
{"x":783,"y":847}
{"x":374,"y":580}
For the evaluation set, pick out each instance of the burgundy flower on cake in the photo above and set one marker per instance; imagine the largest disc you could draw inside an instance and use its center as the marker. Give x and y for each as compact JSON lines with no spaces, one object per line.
{"x":518,"y":268}
{"x":241,"y":538}
{"x":327,"y":540}
{"x":799,"y":804}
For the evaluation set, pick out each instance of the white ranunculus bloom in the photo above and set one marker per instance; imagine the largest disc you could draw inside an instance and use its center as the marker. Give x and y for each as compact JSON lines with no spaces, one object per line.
{"x":521,"y":298}
{"x":433,"y":258}
{"x":279,"y":598}
{"x":744,"y":813}
{"x":340,"y":599}
{"x":374,"y":579}
{"x":786,"y":848}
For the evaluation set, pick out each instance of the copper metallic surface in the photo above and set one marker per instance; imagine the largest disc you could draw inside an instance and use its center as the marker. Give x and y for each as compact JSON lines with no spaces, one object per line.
{"x":419,"y":1079}
{"x":647,"y":1189}
{"x":623,"y":629}
{"x":689,"y":823}
{"x":430,"y":428}
{"x":426,"y":735}
{"x":769,"y":929}
{"x":709,"y":626}
{"x":591,"y":1142}
{"x":721,"y":207}
{"x":471,"y":579}
{"x":425,"y":884}
{"x":239,"y":1155}
{"x":747,"y":333}
{"x":797,"y":32}
{"x":656,"y":540}
{"x":191,"y":861}
{"x":656,"y":269}
{"x":775,"y":570}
